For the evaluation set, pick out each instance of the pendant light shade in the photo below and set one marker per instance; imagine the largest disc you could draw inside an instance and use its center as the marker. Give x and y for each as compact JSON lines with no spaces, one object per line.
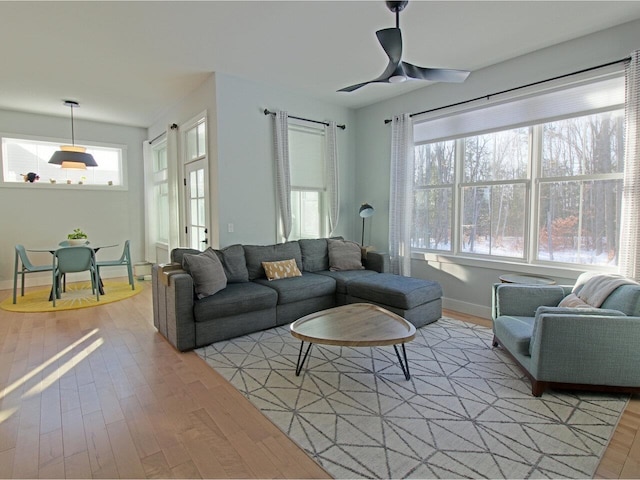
{"x":72,"y":156}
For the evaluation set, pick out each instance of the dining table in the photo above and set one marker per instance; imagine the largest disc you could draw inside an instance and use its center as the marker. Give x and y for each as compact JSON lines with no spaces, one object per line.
{"x":94,"y":246}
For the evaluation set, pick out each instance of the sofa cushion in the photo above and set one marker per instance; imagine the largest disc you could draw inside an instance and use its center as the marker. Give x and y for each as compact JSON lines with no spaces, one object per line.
{"x":514,"y":332}
{"x":206,"y":271}
{"x":315,"y":254}
{"x":342,"y":278}
{"x":395,"y":290}
{"x":573,"y":301}
{"x":281,"y":269}
{"x":236,"y":299}
{"x":309,"y":285}
{"x":626,"y":299}
{"x":344,"y":255}
{"x":235,"y":266}
{"x":256,"y":254}
{"x":574,"y":312}
{"x":177,"y":254}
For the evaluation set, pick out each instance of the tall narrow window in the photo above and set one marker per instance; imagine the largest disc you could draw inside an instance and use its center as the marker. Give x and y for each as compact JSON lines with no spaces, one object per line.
{"x":434,"y":180}
{"x":160,"y":193}
{"x":308,"y":182}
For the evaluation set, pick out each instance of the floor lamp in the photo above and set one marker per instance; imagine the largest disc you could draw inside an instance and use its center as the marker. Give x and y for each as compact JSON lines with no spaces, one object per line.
{"x":366,"y":210}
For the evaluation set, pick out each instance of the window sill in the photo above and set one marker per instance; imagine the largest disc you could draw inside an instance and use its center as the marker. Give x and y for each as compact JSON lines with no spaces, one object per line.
{"x":502,"y":266}
{"x":61,"y":186}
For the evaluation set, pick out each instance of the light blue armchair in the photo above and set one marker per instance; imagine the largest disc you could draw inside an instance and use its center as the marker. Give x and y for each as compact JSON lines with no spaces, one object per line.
{"x":570,"y":348}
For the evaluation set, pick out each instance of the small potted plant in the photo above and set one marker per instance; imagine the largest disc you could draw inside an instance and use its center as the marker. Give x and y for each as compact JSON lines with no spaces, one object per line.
{"x":77,"y":237}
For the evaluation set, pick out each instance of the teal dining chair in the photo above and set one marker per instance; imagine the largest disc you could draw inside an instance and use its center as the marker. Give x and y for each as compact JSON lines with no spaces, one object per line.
{"x":124,"y":260}
{"x":74,"y":259}
{"x":25,"y":266}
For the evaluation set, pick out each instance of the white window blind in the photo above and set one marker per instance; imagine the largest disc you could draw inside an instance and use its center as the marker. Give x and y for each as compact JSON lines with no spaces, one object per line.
{"x":527,"y":107}
{"x":306,"y":157}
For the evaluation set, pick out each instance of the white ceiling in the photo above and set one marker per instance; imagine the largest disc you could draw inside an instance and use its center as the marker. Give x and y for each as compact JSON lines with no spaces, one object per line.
{"x":127,"y":62}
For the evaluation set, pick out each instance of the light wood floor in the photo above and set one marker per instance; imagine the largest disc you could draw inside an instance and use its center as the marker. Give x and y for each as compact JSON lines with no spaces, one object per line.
{"x":97,"y":393}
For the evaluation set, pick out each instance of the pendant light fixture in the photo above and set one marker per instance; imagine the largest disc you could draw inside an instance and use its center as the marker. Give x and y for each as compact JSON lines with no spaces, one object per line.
{"x":72,"y":156}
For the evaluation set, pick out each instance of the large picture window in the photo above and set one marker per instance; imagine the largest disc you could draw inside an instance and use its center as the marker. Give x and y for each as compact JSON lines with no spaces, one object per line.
{"x":546,"y":191}
{"x":23,"y":155}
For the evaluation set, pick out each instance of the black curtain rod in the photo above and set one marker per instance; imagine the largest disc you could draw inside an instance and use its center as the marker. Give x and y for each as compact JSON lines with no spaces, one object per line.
{"x":156,"y":138}
{"x":622,"y":60}
{"x":267,"y":112}
{"x":173,"y":127}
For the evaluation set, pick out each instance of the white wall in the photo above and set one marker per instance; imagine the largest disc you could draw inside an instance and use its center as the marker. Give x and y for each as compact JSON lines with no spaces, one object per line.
{"x":467,"y":286}
{"x":241,"y":156}
{"x":40,"y":216}
{"x":246,"y":157}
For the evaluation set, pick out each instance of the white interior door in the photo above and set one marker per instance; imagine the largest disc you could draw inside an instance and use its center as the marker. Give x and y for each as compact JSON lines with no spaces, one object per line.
{"x":196,"y":183}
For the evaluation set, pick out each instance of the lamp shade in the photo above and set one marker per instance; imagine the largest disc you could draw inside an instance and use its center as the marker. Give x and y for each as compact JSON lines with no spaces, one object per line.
{"x":366,"y":210}
{"x":72,"y":156}
{"x":68,"y":159}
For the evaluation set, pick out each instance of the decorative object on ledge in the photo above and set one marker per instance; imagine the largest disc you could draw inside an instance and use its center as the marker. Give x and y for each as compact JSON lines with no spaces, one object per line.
{"x":72,"y":156}
{"x":365,"y":211}
{"x":30,"y":177}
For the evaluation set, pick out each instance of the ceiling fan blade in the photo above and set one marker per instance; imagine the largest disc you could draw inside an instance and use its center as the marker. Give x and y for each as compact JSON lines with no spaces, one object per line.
{"x":435,"y":74}
{"x":391,"y":41}
{"x":351,"y":88}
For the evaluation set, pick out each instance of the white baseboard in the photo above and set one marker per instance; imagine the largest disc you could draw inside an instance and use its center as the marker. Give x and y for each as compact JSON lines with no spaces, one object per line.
{"x":466,"y":307}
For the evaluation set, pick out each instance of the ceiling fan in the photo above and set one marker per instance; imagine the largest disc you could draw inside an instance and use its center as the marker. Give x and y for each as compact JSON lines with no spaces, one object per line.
{"x":398,"y":71}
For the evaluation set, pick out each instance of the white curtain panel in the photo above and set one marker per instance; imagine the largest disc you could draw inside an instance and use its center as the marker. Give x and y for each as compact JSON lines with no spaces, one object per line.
{"x":149,"y":205}
{"x":283,"y":172}
{"x":629,"y":264}
{"x":173,"y":162}
{"x":332,"y":176}
{"x":401,"y":194}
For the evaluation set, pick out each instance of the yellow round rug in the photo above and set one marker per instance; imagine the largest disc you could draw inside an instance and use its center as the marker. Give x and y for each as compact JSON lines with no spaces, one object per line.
{"x":78,"y":295}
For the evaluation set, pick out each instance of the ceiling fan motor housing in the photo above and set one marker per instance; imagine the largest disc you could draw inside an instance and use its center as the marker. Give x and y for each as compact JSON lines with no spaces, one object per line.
{"x":396,"y":7}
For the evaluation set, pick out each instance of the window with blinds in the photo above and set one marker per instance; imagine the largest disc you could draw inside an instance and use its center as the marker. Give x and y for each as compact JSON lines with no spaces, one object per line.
{"x":308,"y":182}
{"x":536,"y":178}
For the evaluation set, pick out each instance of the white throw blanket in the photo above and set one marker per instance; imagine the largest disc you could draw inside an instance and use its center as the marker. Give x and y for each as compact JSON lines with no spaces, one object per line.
{"x":597,"y":288}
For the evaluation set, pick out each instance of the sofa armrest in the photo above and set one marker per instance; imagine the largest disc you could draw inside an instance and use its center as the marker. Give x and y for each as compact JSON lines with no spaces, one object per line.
{"x":523,"y":300}
{"x":173,"y":307}
{"x":377,"y":261}
{"x":588,"y":349}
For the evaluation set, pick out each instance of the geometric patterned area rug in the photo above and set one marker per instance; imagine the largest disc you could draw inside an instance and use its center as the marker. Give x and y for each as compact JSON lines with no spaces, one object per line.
{"x":77,"y":295}
{"x":466,"y":412}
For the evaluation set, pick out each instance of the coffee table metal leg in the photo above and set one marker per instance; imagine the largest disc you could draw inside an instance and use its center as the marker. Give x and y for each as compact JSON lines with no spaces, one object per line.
{"x":403,"y":365}
{"x":300,"y":363}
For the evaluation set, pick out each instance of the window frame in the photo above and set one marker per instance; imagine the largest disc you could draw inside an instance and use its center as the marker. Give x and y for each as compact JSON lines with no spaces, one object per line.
{"x":323,"y":213}
{"x":45,"y":183}
{"x":158,"y":178}
{"x":532,"y":205}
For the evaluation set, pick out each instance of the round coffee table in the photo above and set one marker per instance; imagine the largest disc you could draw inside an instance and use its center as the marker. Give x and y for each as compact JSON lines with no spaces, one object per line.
{"x":354,"y":325}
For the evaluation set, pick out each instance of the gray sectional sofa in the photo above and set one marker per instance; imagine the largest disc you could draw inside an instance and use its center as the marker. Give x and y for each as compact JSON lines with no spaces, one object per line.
{"x":250,"y":302}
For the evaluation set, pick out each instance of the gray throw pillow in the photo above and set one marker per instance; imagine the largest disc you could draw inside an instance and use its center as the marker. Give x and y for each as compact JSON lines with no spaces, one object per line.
{"x":234,"y":264}
{"x":344,"y":255}
{"x":207,"y":273}
{"x":315,"y":255}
